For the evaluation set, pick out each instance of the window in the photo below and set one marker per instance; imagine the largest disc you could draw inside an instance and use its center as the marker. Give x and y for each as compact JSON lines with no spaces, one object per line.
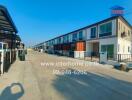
{"x":55,"y":41}
{"x":109,"y":49}
{"x":74,"y":37}
{"x":80,"y":35}
{"x":106,"y":29}
{"x":65,"y":39}
{"x":70,"y":38}
{"x":58,"y":40}
{"x":103,"y":48}
{"x":93,"y":32}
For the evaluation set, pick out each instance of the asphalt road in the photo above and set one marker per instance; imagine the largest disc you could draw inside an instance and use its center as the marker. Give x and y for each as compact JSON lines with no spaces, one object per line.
{"x":41,"y":77}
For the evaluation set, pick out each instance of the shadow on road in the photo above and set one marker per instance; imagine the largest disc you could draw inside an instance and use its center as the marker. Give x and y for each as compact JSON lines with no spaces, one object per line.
{"x":92,"y":87}
{"x":12,"y":92}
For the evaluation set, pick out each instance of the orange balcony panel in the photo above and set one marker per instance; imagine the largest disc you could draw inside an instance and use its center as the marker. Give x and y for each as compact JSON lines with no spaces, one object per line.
{"x":80,"y":46}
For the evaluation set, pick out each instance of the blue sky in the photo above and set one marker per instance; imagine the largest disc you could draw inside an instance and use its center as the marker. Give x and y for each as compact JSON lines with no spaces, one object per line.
{"x":40,"y":20}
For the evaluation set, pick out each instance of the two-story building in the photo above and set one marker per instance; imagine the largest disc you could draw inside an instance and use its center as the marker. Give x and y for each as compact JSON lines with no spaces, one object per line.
{"x":112,"y":35}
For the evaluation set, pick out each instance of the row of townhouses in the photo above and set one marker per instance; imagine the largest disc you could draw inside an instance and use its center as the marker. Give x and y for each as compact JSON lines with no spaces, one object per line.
{"x":112,"y":35}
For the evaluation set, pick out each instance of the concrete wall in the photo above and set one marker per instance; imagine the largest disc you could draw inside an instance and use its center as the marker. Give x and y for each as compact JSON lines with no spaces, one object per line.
{"x":124,"y":42}
{"x":123,"y":27}
{"x":123,"y":46}
{"x":79,"y":54}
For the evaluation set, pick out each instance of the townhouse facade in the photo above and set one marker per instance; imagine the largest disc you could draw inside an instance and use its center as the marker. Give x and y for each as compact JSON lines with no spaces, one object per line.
{"x":112,"y":35}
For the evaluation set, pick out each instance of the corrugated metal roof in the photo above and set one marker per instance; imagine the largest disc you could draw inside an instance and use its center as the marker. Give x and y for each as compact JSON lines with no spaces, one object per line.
{"x":6,"y":22}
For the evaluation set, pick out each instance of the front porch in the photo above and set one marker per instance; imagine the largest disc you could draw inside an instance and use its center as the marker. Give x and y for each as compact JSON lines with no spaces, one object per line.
{"x":92,"y":50}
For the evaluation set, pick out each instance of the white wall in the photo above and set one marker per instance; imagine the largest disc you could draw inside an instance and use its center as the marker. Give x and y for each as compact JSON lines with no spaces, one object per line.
{"x":126,"y":41}
{"x":123,"y":46}
{"x":79,"y":54}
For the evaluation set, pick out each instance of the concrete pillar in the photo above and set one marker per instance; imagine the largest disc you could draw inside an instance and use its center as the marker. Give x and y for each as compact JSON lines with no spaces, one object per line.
{"x":2,"y":61}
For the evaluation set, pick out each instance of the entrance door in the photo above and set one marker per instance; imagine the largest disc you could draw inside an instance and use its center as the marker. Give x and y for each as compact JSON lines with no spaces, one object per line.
{"x":6,"y":61}
{"x":95,"y":49}
{"x":109,"y":49}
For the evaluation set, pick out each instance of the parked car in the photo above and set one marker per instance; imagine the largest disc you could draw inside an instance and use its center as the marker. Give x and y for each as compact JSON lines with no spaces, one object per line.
{"x":123,"y":66}
{"x":128,"y":66}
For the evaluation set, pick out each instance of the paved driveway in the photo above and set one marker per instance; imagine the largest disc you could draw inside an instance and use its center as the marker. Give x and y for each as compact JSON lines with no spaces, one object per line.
{"x":41,"y":77}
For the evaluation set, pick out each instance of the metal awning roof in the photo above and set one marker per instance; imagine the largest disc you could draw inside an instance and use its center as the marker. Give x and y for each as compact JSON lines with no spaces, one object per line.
{"x":8,"y":36}
{"x":6,"y":23}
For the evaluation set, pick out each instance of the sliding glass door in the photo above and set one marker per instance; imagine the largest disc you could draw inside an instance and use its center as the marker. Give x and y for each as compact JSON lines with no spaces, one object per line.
{"x":109,"y":49}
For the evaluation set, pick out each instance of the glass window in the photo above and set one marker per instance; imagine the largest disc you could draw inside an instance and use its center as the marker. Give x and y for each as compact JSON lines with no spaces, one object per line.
{"x":80,"y":35}
{"x":58,"y":40}
{"x":103,"y":48}
{"x":106,"y":29}
{"x":65,"y":40}
{"x":5,"y":46}
{"x":68,"y":38}
{"x":109,"y":49}
{"x":93,"y":32}
{"x":74,"y":37}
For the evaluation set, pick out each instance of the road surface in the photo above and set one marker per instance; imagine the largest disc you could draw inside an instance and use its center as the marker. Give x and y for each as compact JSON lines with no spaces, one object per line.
{"x":34,"y":79}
